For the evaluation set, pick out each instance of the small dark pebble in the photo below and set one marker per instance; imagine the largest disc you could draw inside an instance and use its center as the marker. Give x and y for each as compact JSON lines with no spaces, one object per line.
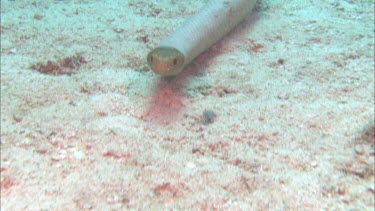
{"x":208,"y":117}
{"x":169,"y":79}
{"x":37,"y":17}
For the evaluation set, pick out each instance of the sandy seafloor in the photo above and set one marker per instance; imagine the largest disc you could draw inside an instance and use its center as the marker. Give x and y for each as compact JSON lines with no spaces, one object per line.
{"x":292,"y":89}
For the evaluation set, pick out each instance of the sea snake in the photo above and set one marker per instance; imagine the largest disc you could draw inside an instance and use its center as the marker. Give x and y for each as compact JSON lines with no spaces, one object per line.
{"x":196,"y":34}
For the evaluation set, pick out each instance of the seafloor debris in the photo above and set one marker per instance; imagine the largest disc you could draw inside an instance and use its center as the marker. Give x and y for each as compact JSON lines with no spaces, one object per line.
{"x":65,"y":66}
{"x":208,"y":117}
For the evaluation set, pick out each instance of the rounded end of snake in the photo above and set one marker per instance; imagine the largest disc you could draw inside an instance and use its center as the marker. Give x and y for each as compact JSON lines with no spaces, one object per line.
{"x":166,"y":61}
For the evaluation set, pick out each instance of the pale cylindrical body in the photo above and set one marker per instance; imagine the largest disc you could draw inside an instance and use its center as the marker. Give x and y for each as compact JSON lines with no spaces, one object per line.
{"x":206,"y":27}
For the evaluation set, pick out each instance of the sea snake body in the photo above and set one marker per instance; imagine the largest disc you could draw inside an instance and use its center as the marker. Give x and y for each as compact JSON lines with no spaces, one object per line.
{"x":197,"y":34}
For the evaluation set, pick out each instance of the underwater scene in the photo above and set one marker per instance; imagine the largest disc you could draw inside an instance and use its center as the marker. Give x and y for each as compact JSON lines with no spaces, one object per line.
{"x":187,"y":105}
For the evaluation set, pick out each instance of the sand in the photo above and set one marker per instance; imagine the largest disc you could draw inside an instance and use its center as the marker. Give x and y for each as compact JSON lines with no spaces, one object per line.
{"x":279,"y":115}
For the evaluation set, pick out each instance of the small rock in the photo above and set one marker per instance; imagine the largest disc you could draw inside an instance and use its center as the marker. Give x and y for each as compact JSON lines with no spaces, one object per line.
{"x":190,"y":165}
{"x":208,"y":117}
{"x":78,"y":155}
{"x":359,"y":150}
{"x":314,"y":164}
